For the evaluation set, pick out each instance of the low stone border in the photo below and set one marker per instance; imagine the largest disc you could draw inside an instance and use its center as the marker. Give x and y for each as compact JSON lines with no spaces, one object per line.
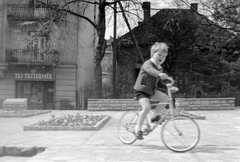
{"x":96,"y":127}
{"x":187,"y":103}
{"x":196,"y":117}
{"x":205,"y":103}
{"x":192,"y":116}
{"x":20,"y":151}
{"x":23,"y":115}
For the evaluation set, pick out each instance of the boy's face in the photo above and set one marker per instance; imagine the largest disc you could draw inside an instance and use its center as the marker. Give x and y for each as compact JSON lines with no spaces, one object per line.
{"x":160,"y":56}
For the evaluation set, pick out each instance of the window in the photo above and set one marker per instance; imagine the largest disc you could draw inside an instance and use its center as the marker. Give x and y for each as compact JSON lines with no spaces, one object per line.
{"x":33,"y":91}
{"x":35,"y":42}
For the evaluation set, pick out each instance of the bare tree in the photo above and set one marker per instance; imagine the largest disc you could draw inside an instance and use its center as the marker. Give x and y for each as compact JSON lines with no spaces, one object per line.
{"x":222,"y":13}
{"x":62,"y":8}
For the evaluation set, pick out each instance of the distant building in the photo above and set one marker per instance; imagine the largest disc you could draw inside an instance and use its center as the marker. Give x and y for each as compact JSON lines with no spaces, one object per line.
{"x":48,"y":79}
{"x":107,"y":63}
{"x":107,"y":70}
{"x":177,"y":28}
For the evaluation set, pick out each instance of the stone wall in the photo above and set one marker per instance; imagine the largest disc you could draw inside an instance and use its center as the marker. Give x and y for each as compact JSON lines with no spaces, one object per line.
{"x":187,"y":103}
{"x":206,"y":103}
{"x":112,"y":104}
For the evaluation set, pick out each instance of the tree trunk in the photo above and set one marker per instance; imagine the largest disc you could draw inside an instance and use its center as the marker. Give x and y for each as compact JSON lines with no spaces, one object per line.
{"x":97,"y":79}
{"x":100,"y":51}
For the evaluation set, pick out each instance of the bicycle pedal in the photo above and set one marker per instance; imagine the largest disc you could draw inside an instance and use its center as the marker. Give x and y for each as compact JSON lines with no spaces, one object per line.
{"x":145,"y":134}
{"x":146,"y":131}
{"x":156,"y":123}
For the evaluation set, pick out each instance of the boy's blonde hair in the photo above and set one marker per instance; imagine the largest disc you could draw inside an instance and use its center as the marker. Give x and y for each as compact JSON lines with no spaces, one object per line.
{"x":157,"y":46}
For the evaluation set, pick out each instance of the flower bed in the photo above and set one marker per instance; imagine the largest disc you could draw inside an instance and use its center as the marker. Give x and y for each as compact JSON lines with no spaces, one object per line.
{"x":70,"y":122}
{"x":21,"y":113}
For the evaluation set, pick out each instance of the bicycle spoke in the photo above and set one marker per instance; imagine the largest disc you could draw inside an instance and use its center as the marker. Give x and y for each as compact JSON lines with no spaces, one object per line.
{"x":130,"y":128}
{"x":126,"y":126}
{"x":180,"y":134}
{"x":178,"y":137}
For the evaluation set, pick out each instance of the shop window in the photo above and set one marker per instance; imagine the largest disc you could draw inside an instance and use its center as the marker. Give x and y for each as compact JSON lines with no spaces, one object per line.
{"x":33,"y":91}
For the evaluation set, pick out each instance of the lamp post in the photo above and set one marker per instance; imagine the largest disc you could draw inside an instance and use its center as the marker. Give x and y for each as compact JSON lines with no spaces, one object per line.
{"x":114,"y":50}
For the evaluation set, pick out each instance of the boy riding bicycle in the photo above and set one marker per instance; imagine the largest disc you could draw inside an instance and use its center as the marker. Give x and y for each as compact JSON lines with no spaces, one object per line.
{"x":147,"y":86}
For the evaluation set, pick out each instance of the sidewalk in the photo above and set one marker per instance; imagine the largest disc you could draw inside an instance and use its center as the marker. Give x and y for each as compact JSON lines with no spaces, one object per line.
{"x":220,"y":134}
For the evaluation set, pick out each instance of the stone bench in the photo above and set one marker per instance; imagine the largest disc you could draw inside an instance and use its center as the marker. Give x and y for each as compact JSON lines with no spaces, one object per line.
{"x":15,"y":103}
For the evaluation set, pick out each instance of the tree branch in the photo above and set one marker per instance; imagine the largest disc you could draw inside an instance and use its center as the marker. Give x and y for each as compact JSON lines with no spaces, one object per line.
{"x":77,"y":1}
{"x":81,"y":16}
{"x":134,"y":39}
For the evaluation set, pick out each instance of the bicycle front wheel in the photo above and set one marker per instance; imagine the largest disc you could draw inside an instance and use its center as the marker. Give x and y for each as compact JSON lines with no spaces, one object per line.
{"x":180,"y":134}
{"x":126,"y":126}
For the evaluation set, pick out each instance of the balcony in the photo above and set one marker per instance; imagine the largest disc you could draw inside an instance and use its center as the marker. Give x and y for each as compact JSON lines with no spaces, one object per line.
{"x":24,"y":12}
{"x":35,"y":57}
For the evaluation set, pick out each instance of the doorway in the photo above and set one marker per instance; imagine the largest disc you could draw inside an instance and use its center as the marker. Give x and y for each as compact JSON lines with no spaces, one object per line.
{"x":40,"y":95}
{"x":49,"y":95}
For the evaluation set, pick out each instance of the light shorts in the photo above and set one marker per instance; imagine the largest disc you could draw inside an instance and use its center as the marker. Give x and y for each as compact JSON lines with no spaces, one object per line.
{"x":159,"y":96}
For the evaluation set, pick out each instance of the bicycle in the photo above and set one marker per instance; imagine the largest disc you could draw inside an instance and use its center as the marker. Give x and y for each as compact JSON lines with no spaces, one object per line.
{"x":179,"y":133}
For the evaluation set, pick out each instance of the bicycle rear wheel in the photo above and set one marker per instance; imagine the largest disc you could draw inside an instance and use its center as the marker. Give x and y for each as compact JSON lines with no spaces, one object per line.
{"x":180,"y":134}
{"x":126,"y":126}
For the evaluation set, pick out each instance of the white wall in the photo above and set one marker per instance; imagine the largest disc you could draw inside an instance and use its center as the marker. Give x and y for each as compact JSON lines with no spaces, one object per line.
{"x":86,"y":46}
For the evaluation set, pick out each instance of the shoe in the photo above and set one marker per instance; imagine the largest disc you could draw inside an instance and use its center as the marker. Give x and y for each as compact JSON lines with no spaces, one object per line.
{"x":156,"y":119}
{"x":139,"y":135}
{"x":167,"y":107}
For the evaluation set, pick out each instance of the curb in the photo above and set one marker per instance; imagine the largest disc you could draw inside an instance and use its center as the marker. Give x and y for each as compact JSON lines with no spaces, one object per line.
{"x":192,"y":117}
{"x":197,"y":117}
{"x":22,"y":115}
{"x":96,"y":127}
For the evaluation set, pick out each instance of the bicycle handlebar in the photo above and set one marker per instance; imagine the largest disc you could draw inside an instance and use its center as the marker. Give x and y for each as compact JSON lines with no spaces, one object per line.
{"x":171,"y":80}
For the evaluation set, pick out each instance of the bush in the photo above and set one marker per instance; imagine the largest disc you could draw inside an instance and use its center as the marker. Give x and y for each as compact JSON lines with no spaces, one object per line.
{"x":88,"y":90}
{"x":107,"y":90}
{"x":231,"y":91}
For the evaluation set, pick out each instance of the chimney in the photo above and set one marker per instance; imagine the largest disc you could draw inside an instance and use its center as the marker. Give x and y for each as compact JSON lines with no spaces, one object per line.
{"x":146,"y":10}
{"x":194,"y":7}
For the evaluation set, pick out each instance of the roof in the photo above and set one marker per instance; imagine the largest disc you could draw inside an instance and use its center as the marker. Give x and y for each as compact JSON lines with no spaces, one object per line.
{"x":149,"y":32}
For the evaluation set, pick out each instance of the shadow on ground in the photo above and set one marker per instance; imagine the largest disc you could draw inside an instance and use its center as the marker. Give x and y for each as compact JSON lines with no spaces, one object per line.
{"x":197,"y":149}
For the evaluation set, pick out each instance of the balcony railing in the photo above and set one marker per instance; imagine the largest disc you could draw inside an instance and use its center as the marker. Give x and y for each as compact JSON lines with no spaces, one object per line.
{"x":24,"y":12}
{"x":25,"y":56}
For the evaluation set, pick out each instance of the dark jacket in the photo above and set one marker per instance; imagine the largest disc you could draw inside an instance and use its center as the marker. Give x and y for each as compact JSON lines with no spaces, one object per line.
{"x":148,"y":80}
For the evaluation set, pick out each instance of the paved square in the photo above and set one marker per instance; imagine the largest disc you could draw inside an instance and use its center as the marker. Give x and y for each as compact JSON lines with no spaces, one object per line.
{"x":220,"y":134}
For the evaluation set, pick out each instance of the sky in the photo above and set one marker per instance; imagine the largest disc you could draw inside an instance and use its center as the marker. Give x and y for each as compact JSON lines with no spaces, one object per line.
{"x":121,"y":25}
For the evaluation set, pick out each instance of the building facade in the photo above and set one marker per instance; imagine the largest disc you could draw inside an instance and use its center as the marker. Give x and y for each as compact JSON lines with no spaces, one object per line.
{"x":49,"y":69}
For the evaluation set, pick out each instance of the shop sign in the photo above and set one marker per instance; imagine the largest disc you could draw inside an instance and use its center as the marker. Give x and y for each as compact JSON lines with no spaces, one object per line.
{"x":34,"y":74}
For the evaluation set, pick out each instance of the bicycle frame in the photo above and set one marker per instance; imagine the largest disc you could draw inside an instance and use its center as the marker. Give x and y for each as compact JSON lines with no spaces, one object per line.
{"x":173,"y":128}
{"x":169,"y":102}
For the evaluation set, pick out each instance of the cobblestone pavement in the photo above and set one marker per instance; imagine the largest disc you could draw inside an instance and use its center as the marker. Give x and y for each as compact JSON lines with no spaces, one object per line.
{"x":220,"y":134}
